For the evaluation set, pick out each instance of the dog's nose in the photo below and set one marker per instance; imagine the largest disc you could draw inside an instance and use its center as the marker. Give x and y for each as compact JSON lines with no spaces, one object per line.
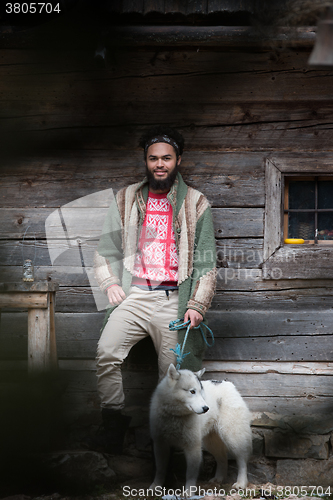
{"x":205,"y":409}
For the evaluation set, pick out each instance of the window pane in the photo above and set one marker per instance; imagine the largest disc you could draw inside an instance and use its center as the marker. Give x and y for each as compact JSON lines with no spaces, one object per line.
{"x":325,"y":226}
{"x":325,"y":194}
{"x":301,"y":225}
{"x":302,"y":194}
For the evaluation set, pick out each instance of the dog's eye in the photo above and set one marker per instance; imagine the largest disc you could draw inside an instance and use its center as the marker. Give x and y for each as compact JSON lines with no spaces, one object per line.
{"x":192,"y":391}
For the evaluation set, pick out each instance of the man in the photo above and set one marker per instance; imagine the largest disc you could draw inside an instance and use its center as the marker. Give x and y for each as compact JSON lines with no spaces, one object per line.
{"x":156,"y":263}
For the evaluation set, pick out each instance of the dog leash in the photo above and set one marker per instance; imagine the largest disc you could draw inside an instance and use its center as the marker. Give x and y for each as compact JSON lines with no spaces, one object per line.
{"x":179,"y":351}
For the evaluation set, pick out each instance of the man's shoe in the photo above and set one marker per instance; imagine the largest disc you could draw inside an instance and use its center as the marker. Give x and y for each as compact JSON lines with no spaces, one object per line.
{"x":110,"y":436}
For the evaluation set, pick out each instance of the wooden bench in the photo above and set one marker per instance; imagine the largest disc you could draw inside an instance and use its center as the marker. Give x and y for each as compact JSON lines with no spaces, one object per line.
{"x":39,"y":299}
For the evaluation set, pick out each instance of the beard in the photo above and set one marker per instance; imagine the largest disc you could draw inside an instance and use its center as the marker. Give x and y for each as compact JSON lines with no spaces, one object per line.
{"x":161,"y":184}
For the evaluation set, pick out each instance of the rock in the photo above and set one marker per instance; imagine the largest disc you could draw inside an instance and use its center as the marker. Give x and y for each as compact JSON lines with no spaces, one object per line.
{"x":79,"y":470}
{"x":305,"y":472}
{"x":128,"y":467}
{"x":257,"y":442}
{"x":306,"y":424}
{"x":290,"y":445}
{"x":261,"y":470}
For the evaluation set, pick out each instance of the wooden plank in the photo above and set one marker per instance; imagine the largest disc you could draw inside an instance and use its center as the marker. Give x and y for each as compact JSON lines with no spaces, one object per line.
{"x":23,"y":300}
{"x":268,"y":410}
{"x":262,"y":135}
{"x":286,"y":306}
{"x":85,"y":403}
{"x":279,"y":385}
{"x":248,"y":367}
{"x":238,"y":222}
{"x":225,"y":36}
{"x":228,"y":279}
{"x":318,"y":163}
{"x":275,"y":348}
{"x":228,"y":222}
{"x":260,"y":385}
{"x":38,"y":340}
{"x":293,"y":340}
{"x":75,"y":64}
{"x":239,"y":279}
{"x":224,"y":138}
{"x":187,"y":87}
{"x":243,"y":116}
{"x":273,"y":209}
{"x":246,"y":252}
{"x":240,"y":252}
{"x":74,"y":166}
{"x":256,"y":323}
{"x":29,"y":286}
{"x":223,"y":367}
{"x":237,"y":177}
{"x":287,"y":299}
{"x":290,"y":406}
{"x":300,"y":262}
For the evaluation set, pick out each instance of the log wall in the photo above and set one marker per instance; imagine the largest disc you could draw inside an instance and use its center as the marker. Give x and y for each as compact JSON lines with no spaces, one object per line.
{"x":71,"y":129}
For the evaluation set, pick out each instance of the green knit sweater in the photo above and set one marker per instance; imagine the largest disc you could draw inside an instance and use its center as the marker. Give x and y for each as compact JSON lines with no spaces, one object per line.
{"x":194,"y":234}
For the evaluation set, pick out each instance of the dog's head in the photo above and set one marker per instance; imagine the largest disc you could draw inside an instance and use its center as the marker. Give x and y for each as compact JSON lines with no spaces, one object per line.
{"x":187,"y":389}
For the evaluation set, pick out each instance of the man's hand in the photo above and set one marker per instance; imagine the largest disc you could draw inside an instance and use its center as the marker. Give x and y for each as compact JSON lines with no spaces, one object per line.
{"x":116,"y":295}
{"x":194,"y":316}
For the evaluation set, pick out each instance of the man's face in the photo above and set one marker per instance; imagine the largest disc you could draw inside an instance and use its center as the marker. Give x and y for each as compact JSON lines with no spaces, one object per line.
{"x":161,"y":166}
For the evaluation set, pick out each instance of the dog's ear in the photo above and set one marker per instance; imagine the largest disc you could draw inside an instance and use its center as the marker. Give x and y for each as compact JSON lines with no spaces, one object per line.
{"x":200,"y":373}
{"x":173,"y":373}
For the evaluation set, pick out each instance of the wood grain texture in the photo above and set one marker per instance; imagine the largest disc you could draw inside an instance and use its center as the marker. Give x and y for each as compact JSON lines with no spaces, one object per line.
{"x":238,"y":252}
{"x":228,"y":222}
{"x":241,"y":335}
{"x":300,"y":262}
{"x":273,"y":209}
{"x":39,"y":340}
{"x":226,"y":36}
{"x":23,"y":300}
{"x":226,"y":179}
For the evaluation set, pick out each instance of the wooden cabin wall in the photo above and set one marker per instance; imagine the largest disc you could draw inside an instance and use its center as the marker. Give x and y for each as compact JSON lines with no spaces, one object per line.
{"x":71,"y":129}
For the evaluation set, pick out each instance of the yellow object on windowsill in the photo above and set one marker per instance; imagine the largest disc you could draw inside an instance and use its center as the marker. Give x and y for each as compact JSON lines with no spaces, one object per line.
{"x":294,"y":241}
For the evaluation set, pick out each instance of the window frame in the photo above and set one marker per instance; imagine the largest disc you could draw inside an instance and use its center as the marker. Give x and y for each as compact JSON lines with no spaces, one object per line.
{"x":316,"y":211}
{"x":282,"y":261}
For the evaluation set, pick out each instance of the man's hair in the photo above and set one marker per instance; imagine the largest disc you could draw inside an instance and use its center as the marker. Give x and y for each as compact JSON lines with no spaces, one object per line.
{"x":158,"y":130}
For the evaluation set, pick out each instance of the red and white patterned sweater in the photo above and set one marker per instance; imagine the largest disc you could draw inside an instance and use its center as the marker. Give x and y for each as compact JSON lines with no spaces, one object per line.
{"x":156,"y":259}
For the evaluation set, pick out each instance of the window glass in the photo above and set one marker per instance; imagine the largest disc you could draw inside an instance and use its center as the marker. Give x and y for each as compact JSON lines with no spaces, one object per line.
{"x":301,"y":194}
{"x":301,"y":225}
{"x":325,"y":194}
{"x":325,"y":226}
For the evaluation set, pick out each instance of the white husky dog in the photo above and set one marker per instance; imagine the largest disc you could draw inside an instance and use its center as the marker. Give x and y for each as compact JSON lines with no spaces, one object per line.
{"x":189,"y":414}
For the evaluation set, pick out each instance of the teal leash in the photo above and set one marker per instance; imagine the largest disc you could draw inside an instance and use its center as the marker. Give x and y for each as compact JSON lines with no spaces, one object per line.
{"x":179,"y":351}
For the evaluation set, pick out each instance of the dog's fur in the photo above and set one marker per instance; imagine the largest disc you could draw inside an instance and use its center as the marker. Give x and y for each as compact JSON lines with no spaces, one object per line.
{"x":189,"y":414}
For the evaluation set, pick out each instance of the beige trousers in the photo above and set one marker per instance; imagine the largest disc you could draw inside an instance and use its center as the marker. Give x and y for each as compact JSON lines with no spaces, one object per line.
{"x":142,"y":313}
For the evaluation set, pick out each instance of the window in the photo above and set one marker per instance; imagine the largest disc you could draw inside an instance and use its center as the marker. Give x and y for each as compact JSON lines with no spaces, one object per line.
{"x":308,"y":209}
{"x":299,"y":204}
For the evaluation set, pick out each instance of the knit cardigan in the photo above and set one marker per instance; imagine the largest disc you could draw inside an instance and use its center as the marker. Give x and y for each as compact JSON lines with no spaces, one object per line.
{"x":194,"y":234}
